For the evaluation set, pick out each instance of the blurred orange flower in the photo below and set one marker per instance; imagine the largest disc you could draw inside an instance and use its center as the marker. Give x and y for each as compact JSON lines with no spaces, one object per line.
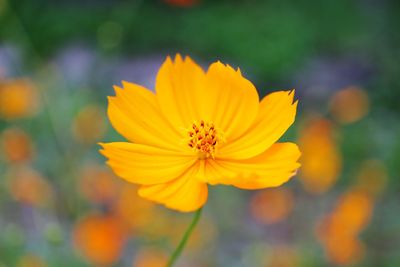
{"x":321,"y":161}
{"x":271,"y":205}
{"x":98,"y":185}
{"x":200,"y":128}
{"x":349,"y":104}
{"x":89,"y":125}
{"x":99,"y":238}
{"x":29,"y":186}
{"x":353,"y":212}
{"x":18,"y":99}
{"x":344,"y":250}
{"x":339,"y":231}
{"x":16,"y":145}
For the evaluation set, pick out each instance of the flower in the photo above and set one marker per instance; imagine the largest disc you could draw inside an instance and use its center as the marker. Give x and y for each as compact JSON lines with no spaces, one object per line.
{"x":200,"y":128}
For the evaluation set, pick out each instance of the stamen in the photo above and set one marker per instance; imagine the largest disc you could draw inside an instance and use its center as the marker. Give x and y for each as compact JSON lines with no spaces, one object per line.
{"x":204,"y":139}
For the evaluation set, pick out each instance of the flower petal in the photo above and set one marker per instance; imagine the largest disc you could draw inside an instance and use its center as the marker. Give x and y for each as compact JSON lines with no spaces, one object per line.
{"x":179,"y":84}
{"x":183,"y":194}
{"x":222,"y":96}
{"x":230,"y":100}
{"x":276,"y":115}
{"x":145,"y":165}
{"x":269,"y":169}
{"x":135,"y":114}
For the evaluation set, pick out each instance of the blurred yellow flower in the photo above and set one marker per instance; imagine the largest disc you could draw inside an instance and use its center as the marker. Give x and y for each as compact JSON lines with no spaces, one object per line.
{"x":200,"y":128}
{"x":100,"y":238}
{"x":88,"y":125}
{"x":321,"y":161}
{"x":16,"y":145}
{"x":18,"y":99}
{"x":272,"y":205}
{"x":349,"y":104}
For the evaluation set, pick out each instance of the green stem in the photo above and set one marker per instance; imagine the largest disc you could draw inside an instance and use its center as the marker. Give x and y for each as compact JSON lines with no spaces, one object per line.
{"x":184,"y":239}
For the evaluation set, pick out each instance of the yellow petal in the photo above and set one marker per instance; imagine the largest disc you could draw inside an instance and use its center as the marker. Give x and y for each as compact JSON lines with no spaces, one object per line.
{"x":178,"y":84}
{"x":135,"y":114}
{"x":276,"y":115}
{"x":146,"y":165}
{"x":222,"y":96}
{"x":183,"y":194}
{"x":269,"y":169}
{"x":229,"y":100}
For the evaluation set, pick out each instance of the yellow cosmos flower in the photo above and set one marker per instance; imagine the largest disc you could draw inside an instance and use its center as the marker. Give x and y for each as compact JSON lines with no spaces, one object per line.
{"x":200,"y":128}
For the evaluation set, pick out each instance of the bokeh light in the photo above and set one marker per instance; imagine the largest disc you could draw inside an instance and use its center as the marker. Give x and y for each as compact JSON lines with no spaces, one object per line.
{"x":99,"y":238}
{"x":31,"y":260}
{"x":28,"y":186}
{"x":272,"y":205}
{"x":321,"y":159}
{"x":150,"y":258}
{"x":18,"y":99}
{"x":349,"y":104}
{"x":89,"y":124}
{"x":16,"y":145}
{"x":98,"y":184}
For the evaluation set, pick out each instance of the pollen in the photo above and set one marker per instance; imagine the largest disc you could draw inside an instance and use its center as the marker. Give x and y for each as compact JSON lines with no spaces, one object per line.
{"x":204,"y":139}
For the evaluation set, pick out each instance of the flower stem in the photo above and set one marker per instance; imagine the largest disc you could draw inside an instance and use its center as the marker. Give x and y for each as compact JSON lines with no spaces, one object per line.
{"x":184,"y":239}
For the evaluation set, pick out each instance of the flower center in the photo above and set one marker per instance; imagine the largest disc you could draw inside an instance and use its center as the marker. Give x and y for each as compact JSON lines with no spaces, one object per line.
{"x":204,"y":138}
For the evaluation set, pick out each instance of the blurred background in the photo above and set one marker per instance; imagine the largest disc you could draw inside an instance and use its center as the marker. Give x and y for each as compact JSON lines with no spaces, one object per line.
{"x":61,"y":206}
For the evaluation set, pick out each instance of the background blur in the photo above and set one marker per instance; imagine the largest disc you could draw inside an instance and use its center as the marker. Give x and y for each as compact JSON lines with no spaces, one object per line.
{"x":61,"y":206}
